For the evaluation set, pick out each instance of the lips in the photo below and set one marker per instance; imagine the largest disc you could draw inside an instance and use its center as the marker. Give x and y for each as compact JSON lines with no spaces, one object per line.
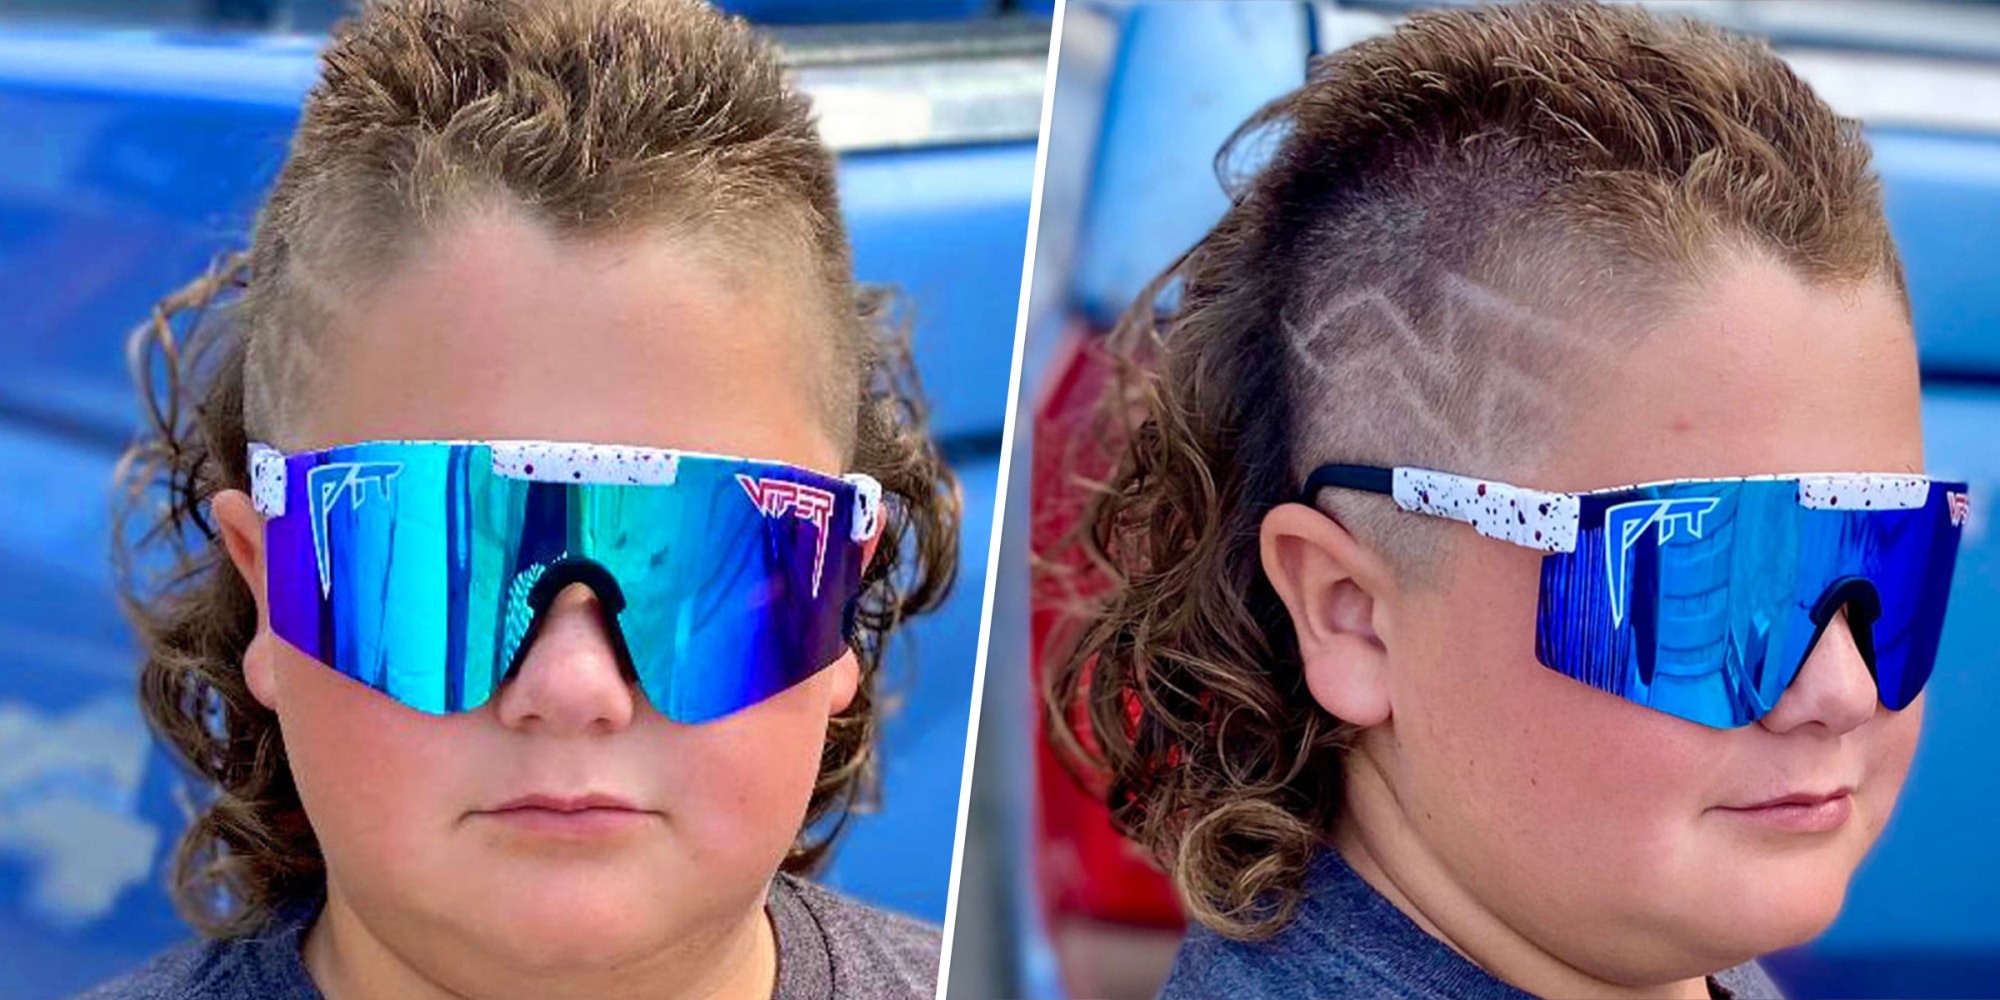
{"x":1797,"y":812}
{"x":565,"y":804}
{"x":593,"y":818}
{"x":1797,"y":799}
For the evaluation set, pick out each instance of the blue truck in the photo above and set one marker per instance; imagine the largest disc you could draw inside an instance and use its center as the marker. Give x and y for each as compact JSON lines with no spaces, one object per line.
{"x":136,"y":140}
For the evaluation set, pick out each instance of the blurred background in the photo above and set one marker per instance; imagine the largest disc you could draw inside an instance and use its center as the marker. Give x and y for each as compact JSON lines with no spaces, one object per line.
{"x":1053,"y":904}
{"x":136,"y":140}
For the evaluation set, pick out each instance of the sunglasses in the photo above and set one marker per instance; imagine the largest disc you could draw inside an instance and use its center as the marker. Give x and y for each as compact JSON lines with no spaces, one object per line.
{"x":1702,"y":598}
{"x":425,"y":569}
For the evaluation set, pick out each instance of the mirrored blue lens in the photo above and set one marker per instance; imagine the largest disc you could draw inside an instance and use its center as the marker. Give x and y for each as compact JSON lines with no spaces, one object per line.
{"x":423,"y":571}
{"x":1703,"y":600}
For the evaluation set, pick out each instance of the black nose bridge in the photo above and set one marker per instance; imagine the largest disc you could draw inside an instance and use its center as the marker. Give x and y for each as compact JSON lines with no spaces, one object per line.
{"x":576,"y":569}
{"x":556,"y":577}
{"x":1864,"y":606}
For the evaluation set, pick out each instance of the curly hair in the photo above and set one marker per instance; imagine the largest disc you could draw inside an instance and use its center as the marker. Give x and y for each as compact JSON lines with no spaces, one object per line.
{"x":599,"y":117}
{"x":1448,"y":225}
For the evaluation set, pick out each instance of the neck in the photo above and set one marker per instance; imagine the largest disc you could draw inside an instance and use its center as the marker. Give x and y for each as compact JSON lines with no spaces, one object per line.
{"x":349,"y":960}
{"x":1376,"y":839}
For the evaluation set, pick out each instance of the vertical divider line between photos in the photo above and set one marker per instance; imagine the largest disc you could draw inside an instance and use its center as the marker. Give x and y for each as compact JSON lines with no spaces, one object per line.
{"x":1000,"y":502}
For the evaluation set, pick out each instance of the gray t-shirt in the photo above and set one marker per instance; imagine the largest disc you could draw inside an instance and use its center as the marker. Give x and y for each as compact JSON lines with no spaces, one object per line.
{"x":829,"y":948}
{"x":1347,"y":940}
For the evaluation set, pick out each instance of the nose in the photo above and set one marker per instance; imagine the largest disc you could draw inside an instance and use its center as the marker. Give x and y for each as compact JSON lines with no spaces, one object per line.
{"x":1833,"y":688}
{"x":570,"y":681}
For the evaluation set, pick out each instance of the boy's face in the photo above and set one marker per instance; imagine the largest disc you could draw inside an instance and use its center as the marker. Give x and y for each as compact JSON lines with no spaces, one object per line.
{"x":1609,"y":834}
{"x":497,"y":332}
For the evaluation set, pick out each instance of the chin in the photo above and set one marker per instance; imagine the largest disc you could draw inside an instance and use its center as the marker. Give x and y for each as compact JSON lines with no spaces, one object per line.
{"x":559,"y":940}
{"x":1774,"y":905}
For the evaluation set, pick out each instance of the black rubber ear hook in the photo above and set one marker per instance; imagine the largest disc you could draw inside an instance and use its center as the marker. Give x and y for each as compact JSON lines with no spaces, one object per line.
{"x":1864,"y":607}
{"x":557,"y":578}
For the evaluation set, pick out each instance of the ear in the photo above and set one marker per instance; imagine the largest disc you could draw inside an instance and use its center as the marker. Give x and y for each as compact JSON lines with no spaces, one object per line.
{"x":1333,"y":588}
{"x":849,"y":669}
{"x":846,"y":671}
{"x":845,"y":675}
{"x":242,"y":531}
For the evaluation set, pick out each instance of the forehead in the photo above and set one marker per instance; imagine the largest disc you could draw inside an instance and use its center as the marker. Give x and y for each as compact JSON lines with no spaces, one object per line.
{"x":1755,"y":372}
{"x":497,"y":328}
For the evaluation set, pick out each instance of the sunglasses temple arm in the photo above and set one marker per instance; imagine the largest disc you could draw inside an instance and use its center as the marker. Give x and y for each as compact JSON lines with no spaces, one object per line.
{"x":869,"y":516}
{"x":1546,"y":522}
{"x":1367,"y":478}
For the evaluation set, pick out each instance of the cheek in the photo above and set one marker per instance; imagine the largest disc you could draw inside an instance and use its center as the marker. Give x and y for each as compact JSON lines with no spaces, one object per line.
{"x":376,"y":778}
{"x":1526,"y":779}
{"x":744,"y":781}
{"x":1888,"y":743}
